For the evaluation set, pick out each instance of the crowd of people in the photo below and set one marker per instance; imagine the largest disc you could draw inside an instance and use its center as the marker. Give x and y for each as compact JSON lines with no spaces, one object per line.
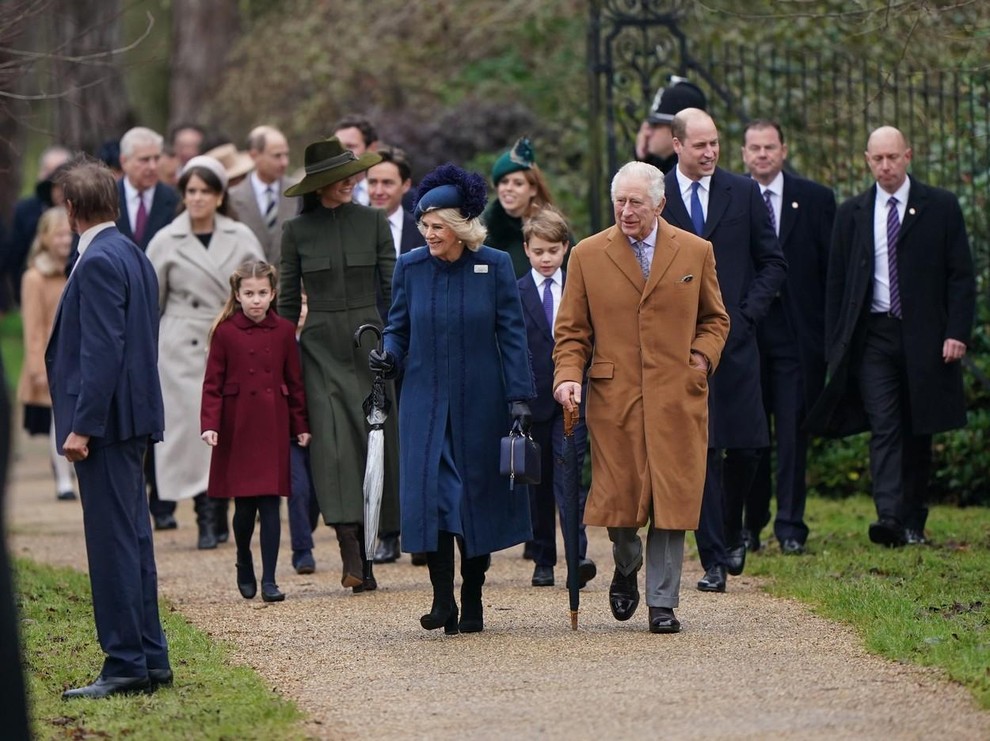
{"x":701,"y":339}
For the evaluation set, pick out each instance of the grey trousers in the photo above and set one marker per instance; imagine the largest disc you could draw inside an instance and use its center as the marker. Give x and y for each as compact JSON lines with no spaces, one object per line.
{"x":664,"y":558}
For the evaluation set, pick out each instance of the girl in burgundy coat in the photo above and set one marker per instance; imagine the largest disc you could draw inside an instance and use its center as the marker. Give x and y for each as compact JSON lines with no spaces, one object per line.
{"x":253,"y":399}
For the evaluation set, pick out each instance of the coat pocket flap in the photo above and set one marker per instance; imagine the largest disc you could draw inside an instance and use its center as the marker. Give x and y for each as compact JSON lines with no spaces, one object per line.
{"x":601,"y":370}
{"x":312,"y":263}
{"x":230,"y":389}
{"x":284,"y":389}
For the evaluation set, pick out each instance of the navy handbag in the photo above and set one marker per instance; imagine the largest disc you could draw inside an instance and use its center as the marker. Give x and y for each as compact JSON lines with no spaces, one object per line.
{"x":519,"y":458}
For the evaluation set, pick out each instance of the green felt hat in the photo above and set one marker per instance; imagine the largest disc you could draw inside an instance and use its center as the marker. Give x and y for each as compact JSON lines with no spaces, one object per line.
{"x":327,"y":162}
{"x":520,"y":157}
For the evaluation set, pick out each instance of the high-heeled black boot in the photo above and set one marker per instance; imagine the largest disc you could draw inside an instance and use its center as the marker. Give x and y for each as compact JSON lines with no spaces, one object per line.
{"x":443,"y":613}
{"x":473,"y":579}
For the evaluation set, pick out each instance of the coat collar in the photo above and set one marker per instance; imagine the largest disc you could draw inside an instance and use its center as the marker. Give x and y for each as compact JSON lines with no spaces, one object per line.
{"x":242,"y":322}
{"x":620,"y":252}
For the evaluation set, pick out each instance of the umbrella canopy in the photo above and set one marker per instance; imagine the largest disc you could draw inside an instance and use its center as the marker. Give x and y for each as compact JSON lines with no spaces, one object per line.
{"x":376,"y":411}
{"x":570,"y":515}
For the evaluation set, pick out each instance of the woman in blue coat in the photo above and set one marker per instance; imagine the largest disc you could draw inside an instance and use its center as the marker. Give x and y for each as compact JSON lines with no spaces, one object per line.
{"x":456,"y":332}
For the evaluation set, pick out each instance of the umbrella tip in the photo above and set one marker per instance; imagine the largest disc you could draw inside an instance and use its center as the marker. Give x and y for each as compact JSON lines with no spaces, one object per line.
{"x":574,"y":617}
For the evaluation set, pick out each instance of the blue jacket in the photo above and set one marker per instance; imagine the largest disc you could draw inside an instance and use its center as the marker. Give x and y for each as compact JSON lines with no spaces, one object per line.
{"x":458,"y":332}
{"x":102,"y":358}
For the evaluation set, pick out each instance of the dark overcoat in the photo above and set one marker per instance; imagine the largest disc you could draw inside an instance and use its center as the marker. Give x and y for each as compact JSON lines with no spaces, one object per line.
{"x":938,"y":299}
{"x":253,"y":398}
{"x":751,"y":270}
{"x":341,"y":257}
{"x":806,"y":218}
{"x":457,"y":329}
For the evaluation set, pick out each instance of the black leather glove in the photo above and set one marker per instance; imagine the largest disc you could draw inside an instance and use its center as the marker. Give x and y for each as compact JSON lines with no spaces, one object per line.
{"x":521,"y":416}
{"x":382,"y":361}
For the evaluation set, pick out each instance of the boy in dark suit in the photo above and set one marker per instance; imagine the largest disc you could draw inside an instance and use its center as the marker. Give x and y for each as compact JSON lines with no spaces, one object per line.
{"x":546,"y":239}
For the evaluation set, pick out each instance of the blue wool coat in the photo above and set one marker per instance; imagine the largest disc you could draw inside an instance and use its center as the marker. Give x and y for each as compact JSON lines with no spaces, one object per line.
{"x":457,"y":330}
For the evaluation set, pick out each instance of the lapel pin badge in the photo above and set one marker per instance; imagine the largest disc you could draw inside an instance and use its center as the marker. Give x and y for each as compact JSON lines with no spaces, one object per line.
{"x":481,"y":268}
{"x":911,"y":211}
{"x":794,"y":204}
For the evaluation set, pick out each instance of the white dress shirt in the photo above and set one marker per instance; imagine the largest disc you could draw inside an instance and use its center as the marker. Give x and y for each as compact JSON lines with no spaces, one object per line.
{"x":395,"y":223}
{"x":881,"y":270}
{"x":361,"y":194}
{"x":685,"y":183}
{"x":556,"y":290}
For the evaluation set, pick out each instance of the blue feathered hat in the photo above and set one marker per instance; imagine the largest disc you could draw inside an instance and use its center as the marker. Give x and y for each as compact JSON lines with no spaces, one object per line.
{"x":448,"y":186}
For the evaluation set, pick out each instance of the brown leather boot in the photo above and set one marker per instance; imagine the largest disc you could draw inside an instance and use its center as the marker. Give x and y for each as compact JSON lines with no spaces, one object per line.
{"x":350,"y":554}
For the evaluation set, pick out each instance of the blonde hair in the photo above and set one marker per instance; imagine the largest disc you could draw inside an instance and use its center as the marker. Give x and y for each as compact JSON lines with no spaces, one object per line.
{"x":249,"y":269}
{"x":39,"y":255}
{"x":471,"y":232}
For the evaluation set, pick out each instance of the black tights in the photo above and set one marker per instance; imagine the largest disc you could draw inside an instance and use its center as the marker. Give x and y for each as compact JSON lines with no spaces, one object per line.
{"x":246,"y":509}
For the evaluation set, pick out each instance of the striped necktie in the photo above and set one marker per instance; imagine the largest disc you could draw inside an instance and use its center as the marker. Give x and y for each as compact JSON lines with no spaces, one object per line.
{"x":271,"y":213}
{"x":773,"y":217}
{"x":893,"y":231}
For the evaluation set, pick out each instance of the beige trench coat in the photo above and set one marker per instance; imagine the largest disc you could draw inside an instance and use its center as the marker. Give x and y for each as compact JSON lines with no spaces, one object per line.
{"x":647,"y":408}
{"x":193,"y":285}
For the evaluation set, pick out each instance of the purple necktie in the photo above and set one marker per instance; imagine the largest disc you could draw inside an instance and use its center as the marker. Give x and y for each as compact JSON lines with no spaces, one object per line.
{"x":773,"y":219}
{"x":141,"y":220}
{"x":548,"y":302}
{"x":893,"y":230}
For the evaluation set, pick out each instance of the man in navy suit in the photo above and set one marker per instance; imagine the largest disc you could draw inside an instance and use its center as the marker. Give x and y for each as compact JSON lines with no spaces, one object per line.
{"x":545,"y":241}
{"x":146,"y":206}
{"x":728,"y":211}
{"x":102,"y":362}
{"x":792,"y":335}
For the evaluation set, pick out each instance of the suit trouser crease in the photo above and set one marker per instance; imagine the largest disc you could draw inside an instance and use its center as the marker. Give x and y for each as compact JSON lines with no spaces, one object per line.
{"x":664,"y":559}
{"x":120,"y":553}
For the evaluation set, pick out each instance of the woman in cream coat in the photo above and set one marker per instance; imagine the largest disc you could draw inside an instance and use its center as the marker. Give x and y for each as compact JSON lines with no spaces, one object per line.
{"x":194,"y":257}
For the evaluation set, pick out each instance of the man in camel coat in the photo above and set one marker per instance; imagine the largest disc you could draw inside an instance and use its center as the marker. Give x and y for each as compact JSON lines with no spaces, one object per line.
{"x":642,"y":310}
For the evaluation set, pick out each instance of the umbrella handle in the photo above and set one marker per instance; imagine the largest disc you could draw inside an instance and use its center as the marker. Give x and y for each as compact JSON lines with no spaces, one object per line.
{"x":570,"y":419}
{"x":359,"y":332}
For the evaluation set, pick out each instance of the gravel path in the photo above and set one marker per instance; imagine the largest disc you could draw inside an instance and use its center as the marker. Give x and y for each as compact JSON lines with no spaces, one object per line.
{"x":746,"y":665}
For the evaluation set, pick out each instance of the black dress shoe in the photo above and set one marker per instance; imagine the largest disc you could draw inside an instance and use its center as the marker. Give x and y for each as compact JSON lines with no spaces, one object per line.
{"x":160,"y":678}
{"x":735,"y":559}
{"x":586,"y":571}
{"x":165,"y":522}
{"x":107,"y":686}
{"x":387,"y":550}
{"x":713,"y":580}
{"x":247,"y":584}
{"x":887,"y":532}
{"x":915,"y":537}
{"x":751,"y":540}
{"x":66,"y":496}
{"x":542,"y":576}
{"x":662,"y":620}
{"x":270,"y":592}
{"x":623,"y":595}
{"x":792,"y":547}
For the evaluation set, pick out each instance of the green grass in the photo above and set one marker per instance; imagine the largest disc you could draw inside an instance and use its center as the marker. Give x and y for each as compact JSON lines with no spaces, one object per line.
{"x":927,"y":605}
{"x":211,"y":698}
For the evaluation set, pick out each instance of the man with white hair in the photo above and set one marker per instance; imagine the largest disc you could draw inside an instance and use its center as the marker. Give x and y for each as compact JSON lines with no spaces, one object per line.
{"x":146,"y":205}
{"x":643,"y":312}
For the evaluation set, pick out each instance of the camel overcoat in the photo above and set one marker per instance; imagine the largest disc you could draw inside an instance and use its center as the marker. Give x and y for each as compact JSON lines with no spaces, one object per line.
{"x":41,"y":288}
{"x":253,"y":398}
{"x":193,"y":285}
{"x":647,"y":407}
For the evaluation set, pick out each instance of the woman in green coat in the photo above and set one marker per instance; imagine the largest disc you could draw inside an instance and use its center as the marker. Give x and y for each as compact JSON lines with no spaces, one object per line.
{"x":339,"y":252}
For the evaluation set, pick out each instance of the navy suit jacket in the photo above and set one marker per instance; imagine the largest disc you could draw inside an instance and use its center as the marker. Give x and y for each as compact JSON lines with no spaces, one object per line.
{"x":164,"y":206}
{"x":102,"y":358}
{"x":751,"y":270}
{"x":806,"y":219}
{"x":411,"y":238}
{"x":539,"y":336}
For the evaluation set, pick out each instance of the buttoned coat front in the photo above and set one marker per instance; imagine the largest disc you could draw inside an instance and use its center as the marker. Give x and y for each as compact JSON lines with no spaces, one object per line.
{"x":340,"y":256}
{"x":193,"y":284}
{"x":458,"y":330}
{"x":647,"y":407}
{"x":253,"y":397}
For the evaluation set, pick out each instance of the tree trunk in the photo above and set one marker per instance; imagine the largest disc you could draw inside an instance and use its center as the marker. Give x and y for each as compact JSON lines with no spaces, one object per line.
{"x":203,"y":31}
{"x":94,"y":105}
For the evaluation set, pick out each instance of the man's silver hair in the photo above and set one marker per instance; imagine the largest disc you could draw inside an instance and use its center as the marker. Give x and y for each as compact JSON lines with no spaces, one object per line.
{"x":137,"y":137}
{"x":642,"y":171}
